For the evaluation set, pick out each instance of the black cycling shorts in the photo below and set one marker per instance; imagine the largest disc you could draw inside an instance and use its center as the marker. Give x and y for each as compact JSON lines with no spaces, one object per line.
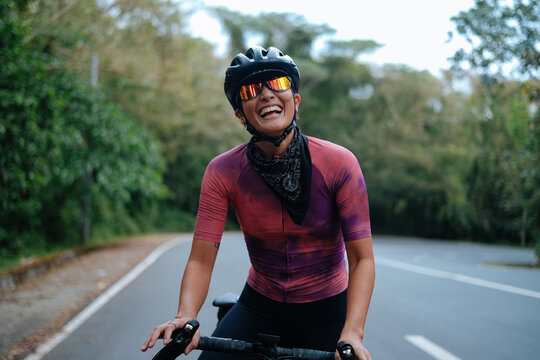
{"x":314,"y":325}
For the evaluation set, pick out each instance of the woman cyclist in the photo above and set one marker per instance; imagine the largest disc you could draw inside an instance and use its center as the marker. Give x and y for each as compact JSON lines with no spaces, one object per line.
{"x":301,"y":203}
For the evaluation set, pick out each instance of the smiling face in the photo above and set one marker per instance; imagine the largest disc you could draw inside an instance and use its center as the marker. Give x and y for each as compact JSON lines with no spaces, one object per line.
{"x":270,"y":112}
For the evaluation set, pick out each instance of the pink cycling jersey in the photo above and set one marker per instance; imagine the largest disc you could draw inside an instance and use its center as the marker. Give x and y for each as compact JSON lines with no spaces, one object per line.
{"x":289,"y":262}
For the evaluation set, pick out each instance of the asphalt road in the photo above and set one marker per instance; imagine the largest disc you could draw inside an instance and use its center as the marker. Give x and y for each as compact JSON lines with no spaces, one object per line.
{"x":432,"y":300}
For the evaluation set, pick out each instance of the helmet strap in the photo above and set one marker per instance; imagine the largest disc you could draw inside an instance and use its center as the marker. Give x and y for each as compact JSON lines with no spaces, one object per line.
{"x":259,"y":136}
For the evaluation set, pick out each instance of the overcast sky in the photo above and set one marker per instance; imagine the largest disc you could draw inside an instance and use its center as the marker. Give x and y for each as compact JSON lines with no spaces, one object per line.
{"x":414,"y":32}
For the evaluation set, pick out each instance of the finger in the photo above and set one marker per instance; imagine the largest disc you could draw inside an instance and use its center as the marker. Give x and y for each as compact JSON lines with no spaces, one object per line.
{"x":156,"y":334}
{"x":146,"y":344}
{"x":171,"y":326}
{"x":364,"y":354}
{"x":194,"y":342}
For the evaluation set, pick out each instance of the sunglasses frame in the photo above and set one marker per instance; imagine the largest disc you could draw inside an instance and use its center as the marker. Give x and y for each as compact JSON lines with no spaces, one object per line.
{"x":260,"y":85}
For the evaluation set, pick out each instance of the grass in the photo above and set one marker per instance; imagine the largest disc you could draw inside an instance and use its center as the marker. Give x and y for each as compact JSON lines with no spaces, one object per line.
{"x":518,"y":265}
{"x":169,"y":222}
{"x":37,"y":257}
{"x":44,"y":256}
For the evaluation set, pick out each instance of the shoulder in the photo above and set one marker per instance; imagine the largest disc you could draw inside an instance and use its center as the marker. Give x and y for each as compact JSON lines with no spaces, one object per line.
{"x":330,"y":153}
{"x":231,"y":160}
{"x":223,"y":170}
{"x":337,"y":164}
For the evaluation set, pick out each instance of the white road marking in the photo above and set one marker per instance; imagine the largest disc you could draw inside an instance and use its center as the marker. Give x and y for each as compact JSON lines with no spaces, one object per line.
{"x":430,"y":347}
{"x":457,"y":277}
{"x":105,"y":297}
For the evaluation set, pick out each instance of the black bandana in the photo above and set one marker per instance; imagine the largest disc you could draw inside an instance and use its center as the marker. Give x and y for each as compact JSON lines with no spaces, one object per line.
{"x":289,"y":176}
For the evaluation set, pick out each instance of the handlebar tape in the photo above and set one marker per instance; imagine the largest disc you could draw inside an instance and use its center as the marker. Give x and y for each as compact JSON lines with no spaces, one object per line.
{"x":224,"y":345}
{"x":239,"y":346}
{"x":309,"y":354}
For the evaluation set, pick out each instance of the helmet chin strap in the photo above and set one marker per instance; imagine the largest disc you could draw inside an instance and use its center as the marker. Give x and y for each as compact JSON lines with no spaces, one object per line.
{"x":259,"y":136}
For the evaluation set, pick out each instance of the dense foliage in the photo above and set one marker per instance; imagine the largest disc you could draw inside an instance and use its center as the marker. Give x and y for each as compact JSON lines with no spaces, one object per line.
{"x":506,"y":38}
{"x":70,"y":158}
{"x":129,"y":155}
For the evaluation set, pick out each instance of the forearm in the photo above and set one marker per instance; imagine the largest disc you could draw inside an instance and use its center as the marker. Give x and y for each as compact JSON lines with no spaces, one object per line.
{"x":361,"y":283}
{"x":196,"y":279}
{"x":193,"y":290}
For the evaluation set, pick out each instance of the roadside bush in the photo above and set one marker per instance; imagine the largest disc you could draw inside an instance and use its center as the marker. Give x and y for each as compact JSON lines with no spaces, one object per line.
{"x":69,"y":158}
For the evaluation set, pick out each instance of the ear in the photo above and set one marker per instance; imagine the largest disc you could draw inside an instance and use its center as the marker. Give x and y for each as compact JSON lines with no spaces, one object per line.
{"x":239,"y":113}
{"x":297,"y":100}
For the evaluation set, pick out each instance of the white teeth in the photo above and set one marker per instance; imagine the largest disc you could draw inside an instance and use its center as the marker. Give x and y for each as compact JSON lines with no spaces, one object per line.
{"x":269,"y":109}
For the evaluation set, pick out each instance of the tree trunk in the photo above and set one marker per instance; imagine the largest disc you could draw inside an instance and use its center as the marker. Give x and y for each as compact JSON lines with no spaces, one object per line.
{"x":524,"y":214}
{"x":86,"y":209}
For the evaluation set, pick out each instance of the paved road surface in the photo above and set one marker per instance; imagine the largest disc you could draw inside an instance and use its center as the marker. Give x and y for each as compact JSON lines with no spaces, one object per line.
{"x":432,"y":300}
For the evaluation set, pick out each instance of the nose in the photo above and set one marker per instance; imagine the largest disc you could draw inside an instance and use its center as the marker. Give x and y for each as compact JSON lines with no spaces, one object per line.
{"x":266,"y":92}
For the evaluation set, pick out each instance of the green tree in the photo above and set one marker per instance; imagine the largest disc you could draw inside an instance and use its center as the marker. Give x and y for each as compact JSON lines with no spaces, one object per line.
{"x":286,"y":31}
{"x":172,"y":84}
{"x":499,"y":36}
{"x":412,"y":155}
{"x":169,"y":82}
{"x":61,"y":143}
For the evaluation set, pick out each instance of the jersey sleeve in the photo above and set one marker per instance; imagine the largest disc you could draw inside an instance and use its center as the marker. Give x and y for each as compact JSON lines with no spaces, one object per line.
{"x":352,"y":198}
{"x":213,"y":205}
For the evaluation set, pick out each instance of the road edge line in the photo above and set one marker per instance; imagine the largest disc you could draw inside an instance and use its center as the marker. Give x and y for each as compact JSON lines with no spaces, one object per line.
{"x":105,"y":297}
{"x":457,"y":277}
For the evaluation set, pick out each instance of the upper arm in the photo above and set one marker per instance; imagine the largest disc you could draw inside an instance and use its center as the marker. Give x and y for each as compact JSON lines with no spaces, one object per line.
{"x":213,"y":205}
{"x":352,"y":199}
{"x":204,"y":252}
{"x":358,"y":250}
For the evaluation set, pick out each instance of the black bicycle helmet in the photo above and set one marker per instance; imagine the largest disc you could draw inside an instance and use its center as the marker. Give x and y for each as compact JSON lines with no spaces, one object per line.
{"x":255,"y":62}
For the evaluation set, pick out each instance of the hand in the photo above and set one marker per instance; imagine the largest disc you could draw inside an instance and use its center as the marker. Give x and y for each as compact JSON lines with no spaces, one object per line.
{"x":359,"y":350}
{"x":165,"y":331}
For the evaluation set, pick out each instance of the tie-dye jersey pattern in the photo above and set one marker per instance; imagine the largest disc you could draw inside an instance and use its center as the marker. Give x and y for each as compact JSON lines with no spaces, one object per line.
{"x":290,"y":263}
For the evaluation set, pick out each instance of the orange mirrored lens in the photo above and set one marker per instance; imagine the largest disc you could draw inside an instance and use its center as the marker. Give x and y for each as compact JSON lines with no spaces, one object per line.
{"x":250,"y":91}
{"x":281,"y":83}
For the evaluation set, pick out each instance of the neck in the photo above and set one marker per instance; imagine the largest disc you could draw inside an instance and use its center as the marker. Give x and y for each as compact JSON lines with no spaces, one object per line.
{"x":272,"y":151}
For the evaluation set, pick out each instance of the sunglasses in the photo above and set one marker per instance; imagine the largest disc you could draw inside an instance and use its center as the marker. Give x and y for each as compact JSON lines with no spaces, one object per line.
{"x":249,"y":91}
